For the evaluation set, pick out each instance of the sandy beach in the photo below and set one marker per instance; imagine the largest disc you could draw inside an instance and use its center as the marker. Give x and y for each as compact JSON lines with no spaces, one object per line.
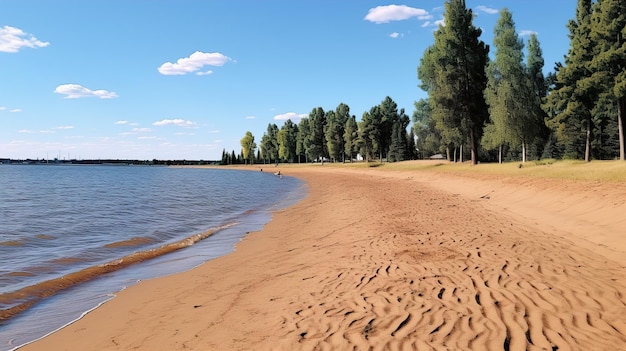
{"x":374,"y":259}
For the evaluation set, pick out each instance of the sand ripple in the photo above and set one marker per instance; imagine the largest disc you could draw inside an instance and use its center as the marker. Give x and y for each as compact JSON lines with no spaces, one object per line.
{"x":449,"y":275}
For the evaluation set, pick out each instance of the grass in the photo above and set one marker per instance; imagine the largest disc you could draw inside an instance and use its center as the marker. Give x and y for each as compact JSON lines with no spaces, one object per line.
{"x":605,"y":171}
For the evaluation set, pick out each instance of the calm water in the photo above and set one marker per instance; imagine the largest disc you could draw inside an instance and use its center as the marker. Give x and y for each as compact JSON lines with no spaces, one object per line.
{"x":87,"y":222}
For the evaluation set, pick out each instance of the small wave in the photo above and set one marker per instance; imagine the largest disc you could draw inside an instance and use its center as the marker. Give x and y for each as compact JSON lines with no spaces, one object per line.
{"x":11,"y":243}
{"x":142,"y":240}
{"x":66,"y":260}
{"x":45,"y":237}
{"x":25,"y":298}
{"x":20,"y":274}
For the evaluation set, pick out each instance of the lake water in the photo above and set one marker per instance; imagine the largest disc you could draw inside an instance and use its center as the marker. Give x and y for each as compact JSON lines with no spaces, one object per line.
{"x":103,"y":228}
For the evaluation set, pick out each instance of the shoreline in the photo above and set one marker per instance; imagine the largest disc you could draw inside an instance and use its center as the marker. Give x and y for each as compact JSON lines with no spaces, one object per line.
{"x":384,"y":259}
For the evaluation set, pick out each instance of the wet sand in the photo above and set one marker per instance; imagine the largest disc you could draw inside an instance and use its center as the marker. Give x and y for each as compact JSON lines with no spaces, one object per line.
{"x":394,"y":260}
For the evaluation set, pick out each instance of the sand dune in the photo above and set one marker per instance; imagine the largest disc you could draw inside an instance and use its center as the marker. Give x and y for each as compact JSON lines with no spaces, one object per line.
{"x":393,"y":260}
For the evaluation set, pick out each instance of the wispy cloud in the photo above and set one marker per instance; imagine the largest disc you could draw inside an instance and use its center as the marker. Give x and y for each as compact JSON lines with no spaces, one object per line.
{"x":388,"y":13}
{"x":13,"y":39}
{"x":194,"y":63}
{"x":121,"y":122}
{"x":250,"y":117}
{"x":28,"y":131}
{"x":75,"y":91}
{"x":525,"y":33}
{"x":64,"y":127}
{"x":290,"y":115}
{"x":15,"y":110}
{"x":175,"y":122}
{"x":396,"y":35}
{"x":141,"y":130}
{"x":487,"y":10}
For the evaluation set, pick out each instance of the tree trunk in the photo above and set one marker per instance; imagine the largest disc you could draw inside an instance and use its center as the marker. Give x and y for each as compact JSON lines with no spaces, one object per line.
{"x":448,"y":153}
{"x":474,"y":149}
{"x":588,"y":141}
{"x":621,"y":109}
{"x":500,"y":154}
{"x":461,"y":153}
{"x":523,"y":152}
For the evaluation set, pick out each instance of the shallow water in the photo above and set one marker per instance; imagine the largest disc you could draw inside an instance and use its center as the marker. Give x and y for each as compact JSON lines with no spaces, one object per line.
{"x":88,"y":223}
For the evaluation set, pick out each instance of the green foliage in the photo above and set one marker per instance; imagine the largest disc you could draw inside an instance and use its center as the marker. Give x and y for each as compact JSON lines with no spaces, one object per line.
{"x":453,"y":72}
{"x":287,"y":140}
{"x":429,"y":140}
{"x":269,"y":144}
{"x":514,"y":90}
{"x":350,"y":135}
{"x":248,"y":146}
{"x":317,"y":138}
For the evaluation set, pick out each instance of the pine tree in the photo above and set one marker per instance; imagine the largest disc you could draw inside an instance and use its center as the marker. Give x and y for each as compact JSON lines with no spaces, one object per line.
{"x":608,"y":34}
{"x":454,"y":74}
{"x":514,"y":104}
{"x":575,"y":94}
{"x":350,"y":136}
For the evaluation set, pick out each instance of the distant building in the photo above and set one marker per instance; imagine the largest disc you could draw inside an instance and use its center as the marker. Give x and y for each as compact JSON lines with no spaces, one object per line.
{"x":437,"y":157}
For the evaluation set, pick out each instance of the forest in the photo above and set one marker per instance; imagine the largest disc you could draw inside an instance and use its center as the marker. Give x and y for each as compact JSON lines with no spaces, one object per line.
{"x":479,"y":108}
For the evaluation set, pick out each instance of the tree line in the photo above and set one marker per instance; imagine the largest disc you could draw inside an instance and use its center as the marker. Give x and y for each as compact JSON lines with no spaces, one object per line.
{"x":490,"y":109}
{"x":506,"y":108}
{"x":333,"y":135}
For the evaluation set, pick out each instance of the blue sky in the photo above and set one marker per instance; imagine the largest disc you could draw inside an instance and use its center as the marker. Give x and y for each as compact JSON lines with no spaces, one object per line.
{"x":185,"y":79}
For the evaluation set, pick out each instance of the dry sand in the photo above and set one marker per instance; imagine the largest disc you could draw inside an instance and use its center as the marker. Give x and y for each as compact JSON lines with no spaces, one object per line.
{"x":394,"y":260}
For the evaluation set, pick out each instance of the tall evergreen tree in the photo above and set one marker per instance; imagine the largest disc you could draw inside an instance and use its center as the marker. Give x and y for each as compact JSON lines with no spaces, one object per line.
{"x":350,"y":135}
{"x":608,"y":34}
{"x":287,"y":139}
{"x":317,"y":139}
{"x":455,"y":77}
{"x":514,"y":106}
{"x":367,"y":135}
{"x":574,"y":94}
{"x":303,"y":139}
{"x":428,"y":139}
{"x":334,"y":136}
{"x":342,"y":114}
{"x":269,"y":143}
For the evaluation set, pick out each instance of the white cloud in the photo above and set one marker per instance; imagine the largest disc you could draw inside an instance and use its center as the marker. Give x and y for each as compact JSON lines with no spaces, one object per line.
{"x":386,"y":14}
{"x":13,"y":39}
{"x":75,"y":91}
{"x":487,"y":10}
{"x":204,"y":73}
{"x":441,"y":22}
{"x":290,"y":115}
{"x":250,"y":117}
{"x":16,"y":110}
{"x":121,"y":122}
{"x":524,"y":33}
{"x":28,"y":131}
{"x":177,"y":122}
{"x":146,"y":137}
{"x":64,"y":127}
{"x":2,"y":108}
{"x":396,"y":35}
{"x":141,"y":130}
{"x":194,"y":63}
